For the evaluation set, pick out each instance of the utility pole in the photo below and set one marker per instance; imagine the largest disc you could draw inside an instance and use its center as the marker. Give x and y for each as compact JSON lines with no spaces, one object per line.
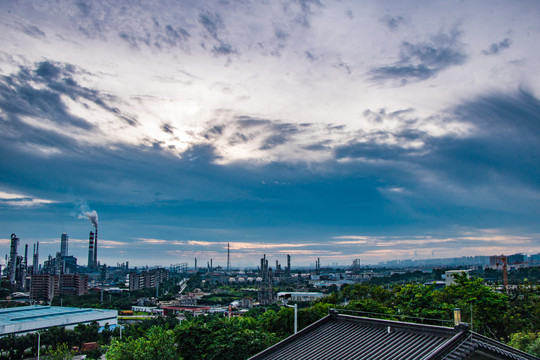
{"x":502,"y":259}
{"x":228,"y":257}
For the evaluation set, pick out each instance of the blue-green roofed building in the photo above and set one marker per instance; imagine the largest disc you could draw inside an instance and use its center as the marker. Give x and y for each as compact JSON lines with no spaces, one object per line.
{"x":26,"y":319}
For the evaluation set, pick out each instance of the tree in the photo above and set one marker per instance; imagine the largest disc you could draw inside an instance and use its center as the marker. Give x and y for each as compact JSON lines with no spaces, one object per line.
{"x":62,"y":352}
{"x":528,"y":342}
{"x":487,"y":306}
{"x":157,"y":344}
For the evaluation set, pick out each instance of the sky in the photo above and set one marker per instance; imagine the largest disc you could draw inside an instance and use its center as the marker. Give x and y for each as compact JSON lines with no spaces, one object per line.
{"x":371,"y":130}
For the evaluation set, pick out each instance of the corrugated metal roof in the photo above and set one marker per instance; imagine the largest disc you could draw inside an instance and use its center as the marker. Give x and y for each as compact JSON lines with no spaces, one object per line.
{"x":351,"y":337}
{"x":38,"y":312}
{"x":30,"y":318}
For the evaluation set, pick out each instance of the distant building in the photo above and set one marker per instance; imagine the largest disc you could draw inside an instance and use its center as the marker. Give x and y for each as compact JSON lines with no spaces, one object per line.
{"x":64,"y":245}
{"x":27,"y":319}
{"x":301,"y":296}
{"x":247,"y":302}
{"x":47,"y":286}
{"x":147,"y":279}
{"x":516,"y":258}
{"x":450,"y":275}
{"x":43,"y":286}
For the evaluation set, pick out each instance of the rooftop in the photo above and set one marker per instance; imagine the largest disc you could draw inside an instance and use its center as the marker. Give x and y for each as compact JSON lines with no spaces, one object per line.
{"x":338,"y":336}
{"x":35,"y":317}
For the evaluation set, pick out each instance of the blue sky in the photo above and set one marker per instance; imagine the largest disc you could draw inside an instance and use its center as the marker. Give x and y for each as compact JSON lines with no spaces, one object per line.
{"x":375,"y":130}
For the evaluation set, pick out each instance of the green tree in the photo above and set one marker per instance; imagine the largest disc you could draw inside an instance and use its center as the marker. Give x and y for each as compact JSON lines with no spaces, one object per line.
{"x":157,"y":344}
{"x":488,"y":307}
{"x":62,"y":352}
{"x":528,"y":342}
{"x":419,"y":301}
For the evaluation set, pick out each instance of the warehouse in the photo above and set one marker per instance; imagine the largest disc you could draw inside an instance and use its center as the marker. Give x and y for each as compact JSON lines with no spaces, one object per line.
{"x":25,"y":319}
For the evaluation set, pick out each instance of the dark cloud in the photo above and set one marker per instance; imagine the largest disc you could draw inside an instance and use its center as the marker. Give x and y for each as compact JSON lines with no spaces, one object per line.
{"x":310,"y":56}
{"x":496,"y":48}
{"x":37,"y":93}
{"x":161,"y":38}
{"x":167,"y":128}
{"x":394,"y":22}
{"x":424,"y":60}
{"x":212,"y":23}
{"x":223,"y":49}
{"x":47,"y":70}
{"x":281,"y":34}
{"x":504,"y":148}
{"x":84,"y":8}
{"x":345,"y":67}
{"x":34,"y":31}
{"x":301,"y":11}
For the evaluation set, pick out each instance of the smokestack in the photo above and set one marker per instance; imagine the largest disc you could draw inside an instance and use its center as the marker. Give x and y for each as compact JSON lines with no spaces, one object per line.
{"x":91,"y":251}
{"x":195,"y":264}
{"x":13,"y":258}
{"x":93,"y":217}
{"x":95,"y":246}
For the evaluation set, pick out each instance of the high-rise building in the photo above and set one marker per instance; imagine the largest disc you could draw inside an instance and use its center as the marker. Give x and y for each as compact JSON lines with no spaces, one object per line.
{"x":35,"y":262}
{"x":47,"y":286}
{"x":64,"y":245}
{"x":147,"y":279}
{"x":12,"y":266}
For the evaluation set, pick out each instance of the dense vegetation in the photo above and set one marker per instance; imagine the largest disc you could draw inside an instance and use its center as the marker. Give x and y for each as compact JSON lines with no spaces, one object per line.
{"x":512,"y":317}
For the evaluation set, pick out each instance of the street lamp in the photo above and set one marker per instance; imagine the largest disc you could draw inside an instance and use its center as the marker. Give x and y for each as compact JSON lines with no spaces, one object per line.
{"x":284,"y":299}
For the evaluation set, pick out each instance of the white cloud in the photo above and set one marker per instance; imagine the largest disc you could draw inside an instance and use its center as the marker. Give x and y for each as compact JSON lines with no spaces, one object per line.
{"x":15,"y":199}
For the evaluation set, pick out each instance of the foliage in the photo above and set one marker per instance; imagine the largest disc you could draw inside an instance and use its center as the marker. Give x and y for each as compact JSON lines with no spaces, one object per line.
{"x":156,"y":344}
{"x":528,"y":342}
{"x":222,"y":338}
{"x":493,"y":313}
{"x":62,"y":352}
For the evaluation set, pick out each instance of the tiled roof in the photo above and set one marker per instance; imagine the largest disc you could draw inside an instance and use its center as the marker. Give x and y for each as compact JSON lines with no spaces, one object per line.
{"x":350,"y":337}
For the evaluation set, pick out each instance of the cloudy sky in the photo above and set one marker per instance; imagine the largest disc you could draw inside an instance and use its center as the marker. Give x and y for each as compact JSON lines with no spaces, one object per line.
{"x":375,"y":130}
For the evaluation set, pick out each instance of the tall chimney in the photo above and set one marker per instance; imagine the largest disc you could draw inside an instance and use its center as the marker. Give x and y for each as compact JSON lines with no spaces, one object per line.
{"x":95,"y":249}
{"x":91,"y":251}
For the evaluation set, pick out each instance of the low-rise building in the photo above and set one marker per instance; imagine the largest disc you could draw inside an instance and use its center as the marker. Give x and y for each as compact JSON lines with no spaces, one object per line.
{"x":27,"y":319}
{"x":300,"y":296}
{"x":450,"y":275}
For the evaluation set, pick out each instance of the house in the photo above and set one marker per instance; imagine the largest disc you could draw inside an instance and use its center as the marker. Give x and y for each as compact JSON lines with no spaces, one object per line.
{"x":339,"y":336}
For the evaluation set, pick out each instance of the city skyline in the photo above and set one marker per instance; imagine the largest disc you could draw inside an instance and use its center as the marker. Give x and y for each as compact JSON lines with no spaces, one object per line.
{"x":338,"y":130}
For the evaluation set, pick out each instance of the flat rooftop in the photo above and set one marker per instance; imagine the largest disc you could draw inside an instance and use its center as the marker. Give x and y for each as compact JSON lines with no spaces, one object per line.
{"x":36,"y":317}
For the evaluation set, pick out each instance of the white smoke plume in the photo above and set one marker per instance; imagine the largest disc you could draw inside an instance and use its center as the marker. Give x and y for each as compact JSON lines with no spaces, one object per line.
{"x":92,"y":216}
